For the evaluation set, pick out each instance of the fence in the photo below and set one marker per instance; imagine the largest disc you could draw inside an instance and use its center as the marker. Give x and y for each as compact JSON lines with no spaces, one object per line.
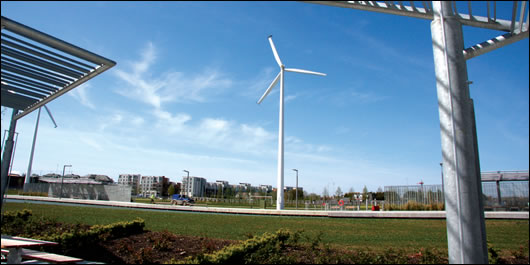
{"x":501,"y":191}
{"x":402,"y":197}
{"x":270,"y":203}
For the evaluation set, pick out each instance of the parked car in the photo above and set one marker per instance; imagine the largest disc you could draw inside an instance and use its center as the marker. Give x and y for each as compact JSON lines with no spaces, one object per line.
{"x":178,"y":199}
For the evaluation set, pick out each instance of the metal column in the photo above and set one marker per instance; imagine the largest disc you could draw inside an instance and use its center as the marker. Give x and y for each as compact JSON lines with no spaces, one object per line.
{"x":279,"y":184}
{"x":6,"y":157}
{"x":466,"y":234}
{"x":28,"y":172}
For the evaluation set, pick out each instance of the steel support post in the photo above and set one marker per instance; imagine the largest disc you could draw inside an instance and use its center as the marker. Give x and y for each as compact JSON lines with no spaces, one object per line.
{"x":6,"y":157}
{"x":466,"y":234}
{"x":28,"y":173}
{"x":499,"y":200}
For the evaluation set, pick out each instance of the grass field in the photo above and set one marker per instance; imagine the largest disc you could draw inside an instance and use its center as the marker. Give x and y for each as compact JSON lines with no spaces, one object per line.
{"x":354,"y":233}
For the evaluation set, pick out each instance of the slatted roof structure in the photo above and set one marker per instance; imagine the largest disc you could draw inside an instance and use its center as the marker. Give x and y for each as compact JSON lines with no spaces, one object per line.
{"x":515,"y":23}
{"x":38,"y":68}
{"x":505,"y":176}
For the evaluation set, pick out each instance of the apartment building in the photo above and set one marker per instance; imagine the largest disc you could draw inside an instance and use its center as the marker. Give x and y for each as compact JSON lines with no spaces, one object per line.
{"x":132,"y":180}
{"x":153,"y":185}
{"x":193,"y":186}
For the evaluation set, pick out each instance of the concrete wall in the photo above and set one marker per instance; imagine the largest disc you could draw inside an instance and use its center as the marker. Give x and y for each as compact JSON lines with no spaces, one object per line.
{"x":36,"y":187}
{"x":83,"y":191}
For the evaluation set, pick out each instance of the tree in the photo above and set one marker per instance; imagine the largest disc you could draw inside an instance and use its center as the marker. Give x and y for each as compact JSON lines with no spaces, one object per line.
{"x":338,"y":192}
{"x":380,"y":195}
{"x":325,"y":193}
{"x":311,"y":196}
{"x":171,"y":190}
{"x":365,"y":193}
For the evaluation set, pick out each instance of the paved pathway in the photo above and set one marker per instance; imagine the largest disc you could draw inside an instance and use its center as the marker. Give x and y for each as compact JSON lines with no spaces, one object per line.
{"x":310,"y":213}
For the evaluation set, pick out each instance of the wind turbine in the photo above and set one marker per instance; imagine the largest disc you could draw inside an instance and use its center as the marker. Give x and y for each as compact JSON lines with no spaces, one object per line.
{"x":279,"y":77}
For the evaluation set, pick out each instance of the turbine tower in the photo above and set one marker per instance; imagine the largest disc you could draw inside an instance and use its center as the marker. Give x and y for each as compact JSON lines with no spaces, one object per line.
{"x":279,"y":193}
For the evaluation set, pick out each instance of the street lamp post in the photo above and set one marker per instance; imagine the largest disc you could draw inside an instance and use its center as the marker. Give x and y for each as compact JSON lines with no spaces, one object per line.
{"x":187,"y":183}
{"x":62,"y":180}
{"x":442,"y":170}
{"x":296,"y":187}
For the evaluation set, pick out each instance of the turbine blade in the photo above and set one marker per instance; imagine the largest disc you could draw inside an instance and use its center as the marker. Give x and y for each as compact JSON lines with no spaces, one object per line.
{"x":304,"y":71}
{"x":276,"y":56}
{"x":274,"y":82}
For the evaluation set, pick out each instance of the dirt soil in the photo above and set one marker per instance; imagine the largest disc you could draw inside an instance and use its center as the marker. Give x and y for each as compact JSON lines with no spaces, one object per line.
{"x":162,"y":247}
{"x":157,"y":247}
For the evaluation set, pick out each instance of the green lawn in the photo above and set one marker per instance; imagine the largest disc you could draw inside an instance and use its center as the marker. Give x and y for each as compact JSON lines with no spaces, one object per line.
{"x":377,"y":234}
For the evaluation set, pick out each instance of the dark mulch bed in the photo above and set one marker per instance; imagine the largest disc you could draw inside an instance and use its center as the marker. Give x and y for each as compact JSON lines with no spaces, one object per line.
{"x":158,"y":247}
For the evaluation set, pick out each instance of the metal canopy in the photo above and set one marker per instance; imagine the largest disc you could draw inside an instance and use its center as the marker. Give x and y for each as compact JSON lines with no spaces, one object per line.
{"x":505,"y":176}
{"x":515,"y":23}
{"x":37,"y":68}
{"x":464,"y":205}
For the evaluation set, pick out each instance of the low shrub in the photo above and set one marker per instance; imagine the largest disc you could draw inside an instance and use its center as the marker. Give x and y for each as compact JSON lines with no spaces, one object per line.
{"x":264,"y":249}
{"x":33,"y":193}
{"x":284,"y":247}
{"x":415,"y":206}
{"x":70,"y":237}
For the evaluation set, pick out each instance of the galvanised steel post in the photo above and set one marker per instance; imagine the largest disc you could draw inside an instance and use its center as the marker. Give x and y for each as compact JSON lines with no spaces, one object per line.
{"x":466,"y":234}
{"x":296,"y":187}
{"x":6,"y":156}
{"x":28,"y":173}
{"x":187,"y":183}
{"x":62,"y":181}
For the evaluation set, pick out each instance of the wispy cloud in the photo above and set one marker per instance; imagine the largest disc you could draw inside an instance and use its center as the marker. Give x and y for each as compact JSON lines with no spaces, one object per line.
{"x":170,"y":122}
{"x":290,"y":98}
{"x":256,"y":86}
{"x":298,"y":145}
{"x":366,"y":97}
{"x":91,"y":142}
{"x":137,"y":121}
{"x":80,"y":93}
{"x":171,"y":86}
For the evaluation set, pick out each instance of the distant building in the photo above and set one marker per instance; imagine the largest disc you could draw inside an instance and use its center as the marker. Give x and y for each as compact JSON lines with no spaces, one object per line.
{"x":100,"y":178}
{"x":193,"y":186}
{"x":265,"y":188}
{"x":243,"y":187}
{"x":154,"y":185}
{"x":92,"y":179}
{"x":16,"y":181}
{"x":132,"y":180}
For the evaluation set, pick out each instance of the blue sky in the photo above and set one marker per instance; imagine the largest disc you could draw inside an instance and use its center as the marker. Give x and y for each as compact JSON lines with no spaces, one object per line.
{"x":183,"y":94}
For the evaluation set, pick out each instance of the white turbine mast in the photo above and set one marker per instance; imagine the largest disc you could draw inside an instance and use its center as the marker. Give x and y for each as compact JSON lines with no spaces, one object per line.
{"x":279,"y":77}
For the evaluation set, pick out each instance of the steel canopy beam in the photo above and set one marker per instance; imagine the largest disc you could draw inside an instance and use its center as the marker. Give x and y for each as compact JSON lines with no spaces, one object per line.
{"x":493,"y":44}
{"x":516,"y":27}
{"x":48,"y":63}
{"x":53,"y":42}
{"x":426,"y":13}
